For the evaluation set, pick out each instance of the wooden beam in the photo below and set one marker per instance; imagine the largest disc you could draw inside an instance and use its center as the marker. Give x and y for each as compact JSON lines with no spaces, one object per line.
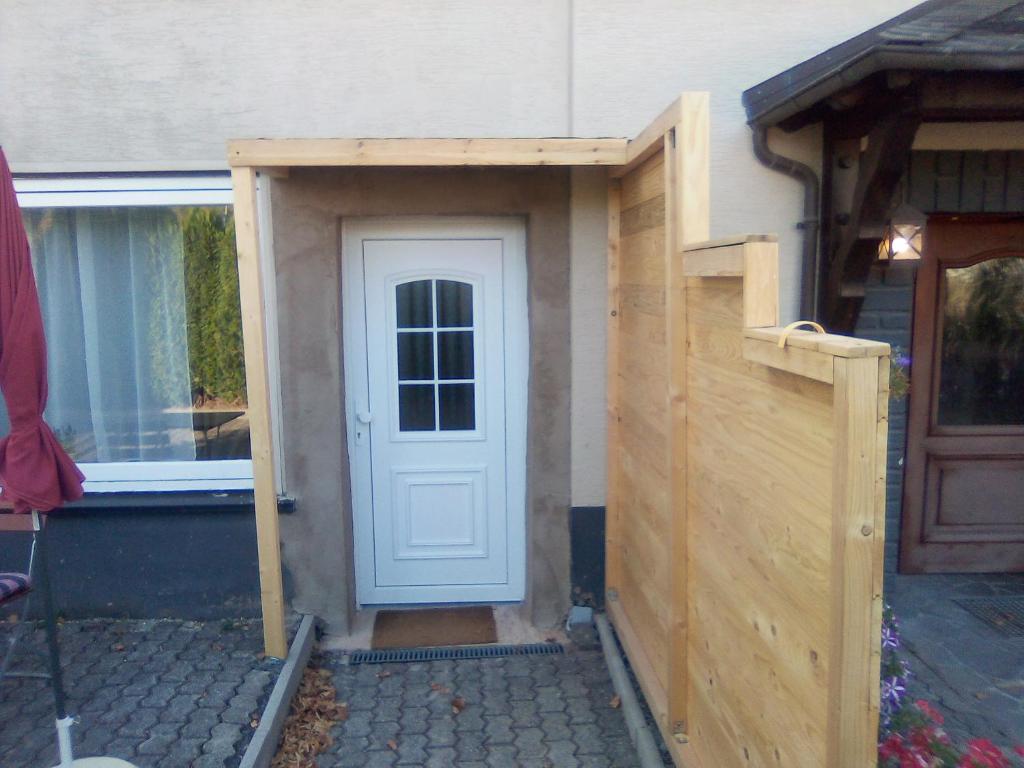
{"x":760,"y":284}
{"x":856,"y":599}
{"x":254,"y":336}
{"x":880,"y":168}
{"x":687,"y":219}
{"x":649,"y":140}
{"x":808,"y":363}
{"x":725,"y":242}
{"x":826,"y":343}
{"x":613,"y":512}
{"x":424,"y":152}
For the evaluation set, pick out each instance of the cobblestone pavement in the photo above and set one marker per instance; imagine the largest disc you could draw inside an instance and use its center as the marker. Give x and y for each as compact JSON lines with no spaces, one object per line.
{"x":525,"y":711}
{"x":161,"y":694}
{"x":970,"y":671}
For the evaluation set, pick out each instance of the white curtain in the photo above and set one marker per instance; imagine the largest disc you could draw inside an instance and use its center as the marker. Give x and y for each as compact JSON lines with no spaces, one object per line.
{"x":112,"y":286}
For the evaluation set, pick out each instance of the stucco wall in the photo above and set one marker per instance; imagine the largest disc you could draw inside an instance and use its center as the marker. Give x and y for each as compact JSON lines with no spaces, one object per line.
{"x":308,"y":208}
{"x":131,"y":84}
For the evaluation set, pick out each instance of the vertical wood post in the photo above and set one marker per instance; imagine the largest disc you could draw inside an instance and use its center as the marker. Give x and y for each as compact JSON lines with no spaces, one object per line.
{"x":613,"y":524}
{"x":858,"y":510}
{"x":254,"y":336}
{"x":687,"y":220}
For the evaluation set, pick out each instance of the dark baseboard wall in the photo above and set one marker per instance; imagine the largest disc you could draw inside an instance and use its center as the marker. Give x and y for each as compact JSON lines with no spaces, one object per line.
{"x":193,"y":556}
{"x":587,"y":531}
{"x":148,"y":556}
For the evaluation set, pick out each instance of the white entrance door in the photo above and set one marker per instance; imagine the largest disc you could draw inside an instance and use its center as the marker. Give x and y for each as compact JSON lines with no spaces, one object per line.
{"x":435,"y":317}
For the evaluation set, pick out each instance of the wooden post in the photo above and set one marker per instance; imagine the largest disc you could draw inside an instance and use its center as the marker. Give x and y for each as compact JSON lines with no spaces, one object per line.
{"x":857,"y":537}
{"x":613,"y":523}
{"x":687,"y":220}
{"x":254,"y":335}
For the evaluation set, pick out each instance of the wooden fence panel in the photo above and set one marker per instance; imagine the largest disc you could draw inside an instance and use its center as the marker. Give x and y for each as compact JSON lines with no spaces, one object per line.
{"x":746,"y":483}
{"x":640,"y":424}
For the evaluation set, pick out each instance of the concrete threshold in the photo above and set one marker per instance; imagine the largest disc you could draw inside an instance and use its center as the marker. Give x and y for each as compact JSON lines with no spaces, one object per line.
{"x":264,"y":741}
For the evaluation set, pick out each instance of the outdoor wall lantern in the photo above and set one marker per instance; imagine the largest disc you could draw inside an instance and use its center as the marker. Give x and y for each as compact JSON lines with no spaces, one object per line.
{"x":904,"y":234}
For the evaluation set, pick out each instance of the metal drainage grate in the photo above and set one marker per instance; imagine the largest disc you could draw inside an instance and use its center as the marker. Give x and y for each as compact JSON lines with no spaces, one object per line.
{"x":454,"y":653}
{"x":1004,"y":613}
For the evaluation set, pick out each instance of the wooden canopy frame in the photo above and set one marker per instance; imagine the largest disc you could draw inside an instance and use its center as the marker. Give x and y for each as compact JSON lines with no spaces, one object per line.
{"x":276,"y":157}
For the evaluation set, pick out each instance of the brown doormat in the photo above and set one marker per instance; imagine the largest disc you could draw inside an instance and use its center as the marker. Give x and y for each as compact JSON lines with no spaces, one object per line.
{"x":432,"y":627}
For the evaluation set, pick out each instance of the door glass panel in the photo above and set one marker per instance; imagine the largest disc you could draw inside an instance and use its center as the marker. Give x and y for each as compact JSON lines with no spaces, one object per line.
{"x":455,"y":355}
{"x":454,"y":304}
{"x":416,"y":356}
{"x":982,"y":356}
{"x":436,"y":357}
{"x":414,"y":304}
{"x":416,"y":407}
{"x":457,"y":406}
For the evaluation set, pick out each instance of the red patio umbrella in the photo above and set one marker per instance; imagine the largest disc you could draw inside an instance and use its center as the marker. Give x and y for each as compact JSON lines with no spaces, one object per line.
{"x":35,"y":470}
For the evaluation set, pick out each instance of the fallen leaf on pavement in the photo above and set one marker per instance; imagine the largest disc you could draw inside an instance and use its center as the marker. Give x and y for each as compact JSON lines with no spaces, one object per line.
{"x":392,"y":745}
{"x":314,"y":712}
{"x":458,"y":704}
{"x":616,"y":702}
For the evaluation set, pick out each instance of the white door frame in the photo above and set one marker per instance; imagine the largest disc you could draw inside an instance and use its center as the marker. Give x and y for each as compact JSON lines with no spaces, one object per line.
{"x":512,"y":232}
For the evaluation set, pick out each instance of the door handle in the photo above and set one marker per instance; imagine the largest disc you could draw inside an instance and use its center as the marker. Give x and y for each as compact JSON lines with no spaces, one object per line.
{"x":364,"y":417}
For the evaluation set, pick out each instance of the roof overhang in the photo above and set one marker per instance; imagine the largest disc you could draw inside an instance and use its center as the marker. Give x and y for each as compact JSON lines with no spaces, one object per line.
{"x":937,"y":38}
{"x":768,"y":105}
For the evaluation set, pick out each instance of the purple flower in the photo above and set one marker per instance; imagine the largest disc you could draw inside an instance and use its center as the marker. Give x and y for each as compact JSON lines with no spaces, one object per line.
{"x":893,"y":690}
{"x":890,"y":637}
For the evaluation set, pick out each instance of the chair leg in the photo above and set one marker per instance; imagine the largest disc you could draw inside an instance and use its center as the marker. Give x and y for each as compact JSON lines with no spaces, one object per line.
{"x":56,"y":676}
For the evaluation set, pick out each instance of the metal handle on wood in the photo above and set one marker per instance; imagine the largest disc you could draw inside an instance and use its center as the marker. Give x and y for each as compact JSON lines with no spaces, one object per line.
{"x":793,"y":326}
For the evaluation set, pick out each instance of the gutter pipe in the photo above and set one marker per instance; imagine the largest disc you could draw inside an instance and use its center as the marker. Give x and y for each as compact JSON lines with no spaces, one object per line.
{"x":810,"y":272}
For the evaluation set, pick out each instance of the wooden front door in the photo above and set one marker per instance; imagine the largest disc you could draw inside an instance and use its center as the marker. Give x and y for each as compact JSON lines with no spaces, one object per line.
{"x":964,"y":489}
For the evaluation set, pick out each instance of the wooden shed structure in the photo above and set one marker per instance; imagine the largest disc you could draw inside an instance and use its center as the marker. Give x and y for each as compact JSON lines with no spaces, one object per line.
{"x":746,"y":461}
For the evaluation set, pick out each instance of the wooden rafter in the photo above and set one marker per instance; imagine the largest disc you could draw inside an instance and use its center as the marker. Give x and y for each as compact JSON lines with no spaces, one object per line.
{"x":857,"y":215}
{"x":424,"y":152}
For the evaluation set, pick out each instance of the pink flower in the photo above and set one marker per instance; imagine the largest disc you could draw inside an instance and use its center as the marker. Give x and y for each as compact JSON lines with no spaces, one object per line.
{"x":929,"y":711}
{"x":982,"y":753}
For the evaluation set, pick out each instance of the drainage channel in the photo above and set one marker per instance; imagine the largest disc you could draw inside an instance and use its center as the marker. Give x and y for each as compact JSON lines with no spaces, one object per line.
{"x":454,"y":653}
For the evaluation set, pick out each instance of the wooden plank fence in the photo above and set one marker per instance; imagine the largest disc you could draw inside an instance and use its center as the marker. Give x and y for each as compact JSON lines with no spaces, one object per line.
{"x":745,"y":481}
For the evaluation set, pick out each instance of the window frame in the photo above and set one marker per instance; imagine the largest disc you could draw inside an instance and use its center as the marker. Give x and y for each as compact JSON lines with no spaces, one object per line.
{"x":113,"y":191}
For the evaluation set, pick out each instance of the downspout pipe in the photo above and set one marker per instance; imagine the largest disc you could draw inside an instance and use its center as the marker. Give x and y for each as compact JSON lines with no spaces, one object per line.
{"x":810,"y":271}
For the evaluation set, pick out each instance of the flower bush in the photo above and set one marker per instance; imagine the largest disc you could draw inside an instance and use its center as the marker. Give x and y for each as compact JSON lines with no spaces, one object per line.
{"x":911,"y":733}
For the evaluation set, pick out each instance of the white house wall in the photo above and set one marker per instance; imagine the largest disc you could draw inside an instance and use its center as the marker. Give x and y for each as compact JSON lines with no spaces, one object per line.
{"x":133,"y":85}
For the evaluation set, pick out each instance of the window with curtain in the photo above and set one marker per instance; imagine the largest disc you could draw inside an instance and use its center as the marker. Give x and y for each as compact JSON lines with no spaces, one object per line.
{"x":141,"y":309}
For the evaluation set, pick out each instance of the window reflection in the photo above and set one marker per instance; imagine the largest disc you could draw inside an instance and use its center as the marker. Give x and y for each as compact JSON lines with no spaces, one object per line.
{"x":982,"y":360}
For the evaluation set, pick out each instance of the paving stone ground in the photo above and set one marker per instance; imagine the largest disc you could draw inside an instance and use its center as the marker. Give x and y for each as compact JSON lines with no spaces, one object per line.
{"x":969,"y":670}
{"x":523,"y":711}
{"x":161,"y":694}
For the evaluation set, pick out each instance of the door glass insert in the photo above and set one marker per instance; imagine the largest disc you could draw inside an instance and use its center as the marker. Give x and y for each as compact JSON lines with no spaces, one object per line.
{"x":415,"y":303}
{"x":456,"y":406}
{"x":454,"y":304}
{"x":982,"y":355}
{"x":455,"y":354}
{"x":436,"y":371}
{"x":416,"y":407}
{"x":415,"y":356}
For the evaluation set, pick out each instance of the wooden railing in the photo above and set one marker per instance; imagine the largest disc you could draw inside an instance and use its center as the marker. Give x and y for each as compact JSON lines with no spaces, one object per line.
{"x":746,"y":490}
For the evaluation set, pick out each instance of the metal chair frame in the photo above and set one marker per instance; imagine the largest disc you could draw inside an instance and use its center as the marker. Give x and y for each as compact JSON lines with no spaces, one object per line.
{"x":9,"y":523}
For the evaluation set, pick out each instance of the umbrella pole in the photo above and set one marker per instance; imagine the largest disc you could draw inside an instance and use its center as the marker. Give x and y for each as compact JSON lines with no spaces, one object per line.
{"x":56,"y":675}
